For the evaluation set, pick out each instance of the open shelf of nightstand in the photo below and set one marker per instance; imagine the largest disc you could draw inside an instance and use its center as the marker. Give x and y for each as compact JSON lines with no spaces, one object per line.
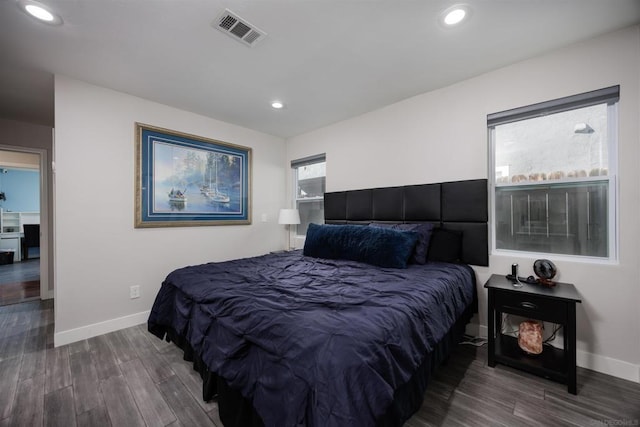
{"x":551,"y":363}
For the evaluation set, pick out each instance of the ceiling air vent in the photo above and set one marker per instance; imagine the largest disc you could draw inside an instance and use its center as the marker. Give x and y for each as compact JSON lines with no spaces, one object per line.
{"x":238,"y":28}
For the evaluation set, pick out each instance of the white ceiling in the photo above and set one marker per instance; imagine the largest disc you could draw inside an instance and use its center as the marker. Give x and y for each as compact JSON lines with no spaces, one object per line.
{"x":327,"y":60}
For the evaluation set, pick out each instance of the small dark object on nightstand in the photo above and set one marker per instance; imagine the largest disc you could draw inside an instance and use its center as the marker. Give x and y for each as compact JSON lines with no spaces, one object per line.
{"x":545,"y":270}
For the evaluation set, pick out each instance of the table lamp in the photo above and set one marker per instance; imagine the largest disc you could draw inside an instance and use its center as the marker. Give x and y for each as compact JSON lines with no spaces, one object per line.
{"x":289,"y":217}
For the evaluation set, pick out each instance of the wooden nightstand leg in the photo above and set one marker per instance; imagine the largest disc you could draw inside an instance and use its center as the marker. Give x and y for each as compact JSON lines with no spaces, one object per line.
{"x":491,"y":330}
{"x":570,"y":346}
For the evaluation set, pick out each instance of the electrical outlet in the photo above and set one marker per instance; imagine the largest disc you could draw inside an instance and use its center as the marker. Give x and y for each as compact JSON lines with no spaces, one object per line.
{"x":134,"y":292}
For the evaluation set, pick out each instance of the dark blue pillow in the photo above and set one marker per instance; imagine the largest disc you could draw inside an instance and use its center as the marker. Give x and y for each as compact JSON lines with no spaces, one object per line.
{"x":424,"y":236}
{"x":377,"y":246}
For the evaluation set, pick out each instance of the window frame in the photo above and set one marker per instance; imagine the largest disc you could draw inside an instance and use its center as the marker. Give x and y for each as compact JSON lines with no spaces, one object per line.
{"x":295,"y":164}
{"x":609,"y":96}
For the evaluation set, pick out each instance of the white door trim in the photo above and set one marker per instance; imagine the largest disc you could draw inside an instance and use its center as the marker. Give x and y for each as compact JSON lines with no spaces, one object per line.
{"x":44,"y":215}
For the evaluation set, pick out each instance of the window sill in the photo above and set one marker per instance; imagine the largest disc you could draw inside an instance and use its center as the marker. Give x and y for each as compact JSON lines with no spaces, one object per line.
{"x":553,"y":182}
{"x":555,"y":257}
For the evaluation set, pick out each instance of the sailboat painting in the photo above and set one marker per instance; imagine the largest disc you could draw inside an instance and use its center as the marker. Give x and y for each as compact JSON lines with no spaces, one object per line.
{"x":185,"y":180}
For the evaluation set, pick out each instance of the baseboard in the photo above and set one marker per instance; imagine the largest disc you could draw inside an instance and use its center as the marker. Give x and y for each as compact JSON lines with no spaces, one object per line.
{"x":604,"y":365}
{"x":476,"y":330}
{"x":607,"y":365}
{"x":89,"y":331}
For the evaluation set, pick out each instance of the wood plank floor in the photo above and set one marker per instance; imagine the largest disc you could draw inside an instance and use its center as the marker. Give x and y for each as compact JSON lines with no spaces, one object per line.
{"x":23,"y":271}
{"x":130,"y":378}
{"x":13,"y":293}
{"x":20,"y":282}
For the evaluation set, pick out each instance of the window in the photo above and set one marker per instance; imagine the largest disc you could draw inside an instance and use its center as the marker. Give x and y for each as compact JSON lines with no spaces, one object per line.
{"x":554,"y":169}
{"x":309,"y":177}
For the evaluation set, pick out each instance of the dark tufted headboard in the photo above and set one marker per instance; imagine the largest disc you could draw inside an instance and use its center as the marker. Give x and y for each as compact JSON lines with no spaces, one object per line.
{"x":459,"y":205}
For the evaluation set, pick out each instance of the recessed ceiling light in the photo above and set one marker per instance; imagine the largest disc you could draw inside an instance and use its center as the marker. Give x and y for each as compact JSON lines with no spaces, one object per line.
{"x":40,"y":12}
{"x":277,"y":105}
{"x":454,"y":15}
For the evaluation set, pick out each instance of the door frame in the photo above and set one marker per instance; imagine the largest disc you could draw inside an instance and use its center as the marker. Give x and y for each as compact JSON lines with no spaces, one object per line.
{"x":45,"y":293}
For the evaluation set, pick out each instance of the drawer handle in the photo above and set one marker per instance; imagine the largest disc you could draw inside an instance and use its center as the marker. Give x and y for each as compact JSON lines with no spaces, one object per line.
{"x":528,"y":305}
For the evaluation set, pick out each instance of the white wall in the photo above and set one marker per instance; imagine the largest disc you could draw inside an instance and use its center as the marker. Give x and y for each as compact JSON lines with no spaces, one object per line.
{"x":99,"y":254}
{"x":442,"y":136}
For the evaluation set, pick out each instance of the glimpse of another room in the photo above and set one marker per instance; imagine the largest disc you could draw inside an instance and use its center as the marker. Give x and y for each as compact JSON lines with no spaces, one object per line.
{"x":19,"y":227}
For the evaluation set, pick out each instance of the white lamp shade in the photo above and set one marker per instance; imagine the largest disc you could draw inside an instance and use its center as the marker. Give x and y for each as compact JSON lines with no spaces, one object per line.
{"x":289,"y":216}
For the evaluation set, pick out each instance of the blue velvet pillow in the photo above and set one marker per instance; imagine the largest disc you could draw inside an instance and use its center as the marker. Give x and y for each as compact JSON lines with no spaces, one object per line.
{"x":424,"y":236}
{"x":377,"y":246}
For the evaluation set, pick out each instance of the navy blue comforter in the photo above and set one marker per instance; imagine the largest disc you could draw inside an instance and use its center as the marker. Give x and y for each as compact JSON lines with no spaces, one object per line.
{"x":312,"y":341}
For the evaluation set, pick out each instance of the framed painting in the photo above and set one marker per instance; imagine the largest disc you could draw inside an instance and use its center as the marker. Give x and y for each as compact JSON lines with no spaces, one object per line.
{"x":186,"y":180}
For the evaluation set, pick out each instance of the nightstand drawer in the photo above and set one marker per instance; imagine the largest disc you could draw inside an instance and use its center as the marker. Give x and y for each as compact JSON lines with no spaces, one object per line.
{"x":523,"y":304}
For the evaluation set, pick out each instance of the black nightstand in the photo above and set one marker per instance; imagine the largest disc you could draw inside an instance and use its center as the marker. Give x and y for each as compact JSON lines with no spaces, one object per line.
{"x":556,"y":305}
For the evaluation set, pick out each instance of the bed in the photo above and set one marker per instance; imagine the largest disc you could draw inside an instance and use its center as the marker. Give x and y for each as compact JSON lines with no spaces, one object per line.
{"x":290,"y":339}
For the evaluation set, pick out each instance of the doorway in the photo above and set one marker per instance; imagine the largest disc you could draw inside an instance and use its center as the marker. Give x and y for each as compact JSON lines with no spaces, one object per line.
{"x":23,"y":225}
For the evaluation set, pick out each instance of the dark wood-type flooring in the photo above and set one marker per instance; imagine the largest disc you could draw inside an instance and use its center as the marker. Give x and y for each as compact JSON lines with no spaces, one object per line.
{"x":20,"y":282}
{"x":130,"y":378}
